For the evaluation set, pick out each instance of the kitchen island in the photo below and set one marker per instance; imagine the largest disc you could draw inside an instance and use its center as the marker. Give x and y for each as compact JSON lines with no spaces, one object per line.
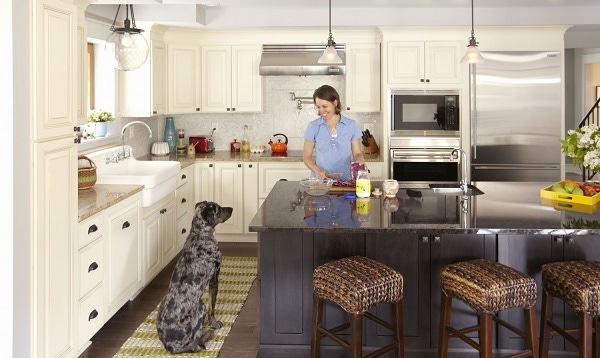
{"x":417,"y":232}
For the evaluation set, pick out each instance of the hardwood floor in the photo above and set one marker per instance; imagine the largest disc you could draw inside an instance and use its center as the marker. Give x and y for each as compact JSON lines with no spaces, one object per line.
{"x":242,"y":341}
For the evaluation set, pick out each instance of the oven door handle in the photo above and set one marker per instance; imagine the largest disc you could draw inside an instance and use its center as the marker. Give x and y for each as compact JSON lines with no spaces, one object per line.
{"x":423,"y":155}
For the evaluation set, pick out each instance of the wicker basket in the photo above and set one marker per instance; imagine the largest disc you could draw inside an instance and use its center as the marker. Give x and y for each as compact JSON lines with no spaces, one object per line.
{"x":86,"y":175}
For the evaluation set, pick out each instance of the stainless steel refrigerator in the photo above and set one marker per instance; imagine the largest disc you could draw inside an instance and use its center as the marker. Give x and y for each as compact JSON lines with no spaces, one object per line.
{"x":516,"y":118}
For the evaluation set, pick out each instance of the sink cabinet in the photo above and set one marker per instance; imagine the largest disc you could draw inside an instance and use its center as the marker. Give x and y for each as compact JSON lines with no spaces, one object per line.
{"x":160,"y":238}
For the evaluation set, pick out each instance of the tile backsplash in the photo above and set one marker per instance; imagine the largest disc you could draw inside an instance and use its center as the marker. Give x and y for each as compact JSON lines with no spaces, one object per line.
{"x":280,"y":115}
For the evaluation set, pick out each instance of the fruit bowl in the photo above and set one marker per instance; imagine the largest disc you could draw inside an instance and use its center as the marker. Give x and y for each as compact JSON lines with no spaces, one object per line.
{"x":316,"y":187}
{"x":550,"y":193}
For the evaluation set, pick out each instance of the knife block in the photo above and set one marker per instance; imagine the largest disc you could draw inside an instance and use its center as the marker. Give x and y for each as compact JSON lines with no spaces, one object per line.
{"x":372,"y":148}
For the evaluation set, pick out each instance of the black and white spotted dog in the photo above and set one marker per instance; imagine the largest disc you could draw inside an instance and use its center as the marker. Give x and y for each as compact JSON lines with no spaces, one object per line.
{"x":181,"y":313}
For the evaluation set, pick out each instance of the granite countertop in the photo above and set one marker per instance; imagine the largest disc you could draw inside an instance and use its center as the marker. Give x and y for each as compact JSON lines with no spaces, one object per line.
{"x":505,"y":207}
{"x":102,"y":196}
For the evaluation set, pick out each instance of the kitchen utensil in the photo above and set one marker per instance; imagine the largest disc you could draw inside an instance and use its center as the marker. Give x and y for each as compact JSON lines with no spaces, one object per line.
{"x":316,"y":187}
{"x":279,"y":147}
{"x":160,"y":148}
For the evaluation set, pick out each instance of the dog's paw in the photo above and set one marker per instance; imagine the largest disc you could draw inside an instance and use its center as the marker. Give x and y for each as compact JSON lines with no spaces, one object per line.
{"x":216,"y":324}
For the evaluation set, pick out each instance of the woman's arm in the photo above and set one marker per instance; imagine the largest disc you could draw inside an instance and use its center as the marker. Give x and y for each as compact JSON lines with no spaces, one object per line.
{"x":357,"y":155}
{"x":307,"y":157}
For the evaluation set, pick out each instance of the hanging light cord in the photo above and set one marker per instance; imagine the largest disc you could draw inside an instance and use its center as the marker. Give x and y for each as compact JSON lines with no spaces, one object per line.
{"x":472,"y":41}
{"x":115,"y":20}
{"x":330,"y":41}
{"x":126,"y":22}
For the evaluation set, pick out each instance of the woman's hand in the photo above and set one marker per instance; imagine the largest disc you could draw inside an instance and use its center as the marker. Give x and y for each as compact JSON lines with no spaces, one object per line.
{"x":320,"y":173}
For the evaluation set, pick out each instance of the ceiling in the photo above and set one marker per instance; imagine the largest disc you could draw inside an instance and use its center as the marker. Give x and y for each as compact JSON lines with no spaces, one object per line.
{"x":582,"y":15}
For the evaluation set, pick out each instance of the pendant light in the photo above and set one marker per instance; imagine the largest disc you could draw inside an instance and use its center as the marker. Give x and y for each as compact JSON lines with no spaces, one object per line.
{"x":472,"y":55}
{"x":129,"y":45}
{"x":330,"y":55}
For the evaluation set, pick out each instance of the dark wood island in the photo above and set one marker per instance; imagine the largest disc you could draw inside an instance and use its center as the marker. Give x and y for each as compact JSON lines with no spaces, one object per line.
{"x":417,"y":233}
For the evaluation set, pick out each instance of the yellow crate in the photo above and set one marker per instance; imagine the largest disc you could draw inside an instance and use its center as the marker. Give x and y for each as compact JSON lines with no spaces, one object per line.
{"x":547,"y":193}
{"x":566,"y":206}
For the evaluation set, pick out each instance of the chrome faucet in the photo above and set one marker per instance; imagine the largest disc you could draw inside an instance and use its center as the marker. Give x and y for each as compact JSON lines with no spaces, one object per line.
{"x":126,"y":154}
{"x":464,"y":180}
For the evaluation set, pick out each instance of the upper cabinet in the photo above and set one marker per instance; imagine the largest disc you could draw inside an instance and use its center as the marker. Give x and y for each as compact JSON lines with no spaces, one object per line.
{"x":363,"y":64}
{"x":82,"y":68}
{"x":230,"y":79}
{"x":424,"y":62}
{"x":143,"y":91}
{"x":183,"y":73}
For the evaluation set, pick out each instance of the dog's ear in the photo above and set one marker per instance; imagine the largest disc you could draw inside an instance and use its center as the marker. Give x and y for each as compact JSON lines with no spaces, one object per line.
{"x":209,"y":214}
{"x":198,"y":204}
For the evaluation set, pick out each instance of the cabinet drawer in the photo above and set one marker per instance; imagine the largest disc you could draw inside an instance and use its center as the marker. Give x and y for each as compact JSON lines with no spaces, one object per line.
{"x":90,"y":229}
{"x":91,"y":315}
{"x":91,"y":266}
{"x":184,"y":199}
{"x":184,"y":175}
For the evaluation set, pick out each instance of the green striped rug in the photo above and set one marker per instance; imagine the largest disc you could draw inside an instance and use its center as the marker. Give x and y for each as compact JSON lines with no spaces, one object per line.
{"x":236,"y":278}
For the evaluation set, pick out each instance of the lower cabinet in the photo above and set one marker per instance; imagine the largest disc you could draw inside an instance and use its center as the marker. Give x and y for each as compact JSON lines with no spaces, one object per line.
{"x":184,"y":197}
{"x":160,"y":238}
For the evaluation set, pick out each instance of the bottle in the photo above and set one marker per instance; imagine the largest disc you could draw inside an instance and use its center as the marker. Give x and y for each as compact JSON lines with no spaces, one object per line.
{"x":363,"y":184}
{"x":245,"y":143}
{"x":170,"y":135}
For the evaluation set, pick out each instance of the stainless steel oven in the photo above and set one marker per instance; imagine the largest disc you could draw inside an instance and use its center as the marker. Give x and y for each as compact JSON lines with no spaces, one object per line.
{"x":423,"y":159}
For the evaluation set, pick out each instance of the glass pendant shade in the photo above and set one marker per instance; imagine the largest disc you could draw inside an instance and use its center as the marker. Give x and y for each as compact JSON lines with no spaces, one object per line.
{"x":127,"y":43}
{"x":472,"y":55}
{"x":330,"y":55}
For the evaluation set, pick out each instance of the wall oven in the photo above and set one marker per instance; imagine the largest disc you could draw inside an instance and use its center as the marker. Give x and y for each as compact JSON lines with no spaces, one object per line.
{"x":423,"y":159}
{"x":425,"y":112}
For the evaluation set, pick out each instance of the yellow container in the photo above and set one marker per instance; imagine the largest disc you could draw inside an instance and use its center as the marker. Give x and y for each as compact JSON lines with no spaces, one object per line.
{"x":547,"y":193}
{"x":565,"y":206}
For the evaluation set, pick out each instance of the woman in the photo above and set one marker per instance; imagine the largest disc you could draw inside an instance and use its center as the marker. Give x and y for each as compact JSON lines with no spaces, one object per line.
{"x":334,"y":138}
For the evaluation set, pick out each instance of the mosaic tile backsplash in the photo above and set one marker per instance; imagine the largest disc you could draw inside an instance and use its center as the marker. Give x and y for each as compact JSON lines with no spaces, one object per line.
{"x":280,"y":115}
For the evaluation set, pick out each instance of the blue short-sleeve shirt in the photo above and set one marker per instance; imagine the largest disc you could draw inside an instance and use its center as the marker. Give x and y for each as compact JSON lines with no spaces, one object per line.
{"x":333,"y":154}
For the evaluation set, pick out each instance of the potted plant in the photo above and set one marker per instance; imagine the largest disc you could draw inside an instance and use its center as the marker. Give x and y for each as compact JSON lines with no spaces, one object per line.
{"x":98,"y":119}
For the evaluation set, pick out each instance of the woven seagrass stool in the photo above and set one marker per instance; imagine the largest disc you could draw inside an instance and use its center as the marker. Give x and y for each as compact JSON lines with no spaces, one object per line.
{"x":576,"y":283}
{"x":488,"y":288}
{"x":357,"y":284}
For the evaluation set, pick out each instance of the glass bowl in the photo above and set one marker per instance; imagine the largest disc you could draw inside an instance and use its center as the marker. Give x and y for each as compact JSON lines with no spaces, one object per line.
{"x":316,"y":187}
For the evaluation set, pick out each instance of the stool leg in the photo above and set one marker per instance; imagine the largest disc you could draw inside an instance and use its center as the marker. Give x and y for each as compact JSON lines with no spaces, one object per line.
{"x":547,"y":302}
{"x":585,"y":335}
{"x":398,"y":325}
{"x":355,"y":335}
{"x":317,"y":322}
{"x":531,"y":331}
{"x":445,"y":310}
{"x":596,"y":342}
{"x":485,"y":335}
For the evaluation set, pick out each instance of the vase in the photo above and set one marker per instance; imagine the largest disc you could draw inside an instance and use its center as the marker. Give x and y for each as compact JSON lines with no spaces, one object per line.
{"x":101,"y":129}
{"x":170,"y":134}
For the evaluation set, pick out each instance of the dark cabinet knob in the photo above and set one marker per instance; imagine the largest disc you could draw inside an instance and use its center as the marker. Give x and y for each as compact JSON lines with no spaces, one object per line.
{"x":183,"y":201}
{"x":249,"y":165}
{"x":210,"y":165}
{"x":183,"y":176}
{"x":93,"y":315}
{"x":92,"y":229}
{"x":93,"y":267}
{"x":183,"y":231}
{"x":422,"y":80}
{"x":239,"y":165}
{"x":197,"y":109}
{"x":154,"y":112}
{"x":126,"y":224}
{"x":427,"y":80}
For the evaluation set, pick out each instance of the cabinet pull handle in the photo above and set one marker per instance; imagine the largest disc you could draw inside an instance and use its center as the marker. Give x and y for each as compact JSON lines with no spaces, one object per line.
{"x":197,"y":109}
{"x":437,"y":239}
{"x":93,"y":315}
{"x":92,"y":229}
{"x":183,"y":176}
{"x":249,"y":165}
{"x":126,"y":224}
{"x":427,"y":80}
{"x":183,"y":231}
{"x":93,"y":267}
{"x":558,"y":239}
{"x":422,"y":80}
{"x":210,"y":165}
{"x":570,"y":240}
{"x":228,"y":109}
{"x":424,"y":239}
{"x":183,"y":201}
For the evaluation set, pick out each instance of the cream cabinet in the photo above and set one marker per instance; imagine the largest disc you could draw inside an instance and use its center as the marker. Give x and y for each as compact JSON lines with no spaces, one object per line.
{"x":363,"y":67}
{"x":124,"y":253}
{"x":425,"y":62}
{"x":204,"y":181}
{"x":183,"y":77}
{"x":143,"y":91}
{"x":82,"y":69}
{"x":184,"y":197}
{"x":53,"y":201}
{"x":229,"y":185}
{"x":230,"y":79}
{"x":250,"y":193}
{"x":159,"y":236}
{"x":271,"y":172}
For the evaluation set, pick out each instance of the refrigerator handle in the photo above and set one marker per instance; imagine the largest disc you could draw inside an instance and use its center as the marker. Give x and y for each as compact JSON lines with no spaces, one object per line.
{"x":473,"y":108}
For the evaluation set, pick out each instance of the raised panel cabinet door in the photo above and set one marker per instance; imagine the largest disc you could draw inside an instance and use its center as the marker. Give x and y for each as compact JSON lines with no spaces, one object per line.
{"x":82,"y":69}
{"x":246,"y":82}
{"x":363,"y":63}
{"x":216,"y":79}
{"x":442,"y":62}
{"x":184,"y":79}
{"x":250,"y":193}
{"x":158,"y":52}
{"x":152,"y":254}
{"x":405,"y":62}
{"x":270,"y":173}
{"x":229,"y":187}
{"x":183,"y":229}
{"x":54,"y":229}
{"x":204,"y":181}
{"x":124,"y":252}
{"x":169,"y":238}
{"x":55,"y":64}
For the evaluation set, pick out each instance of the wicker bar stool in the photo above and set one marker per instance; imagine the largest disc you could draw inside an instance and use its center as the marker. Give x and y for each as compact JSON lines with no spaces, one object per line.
{"x":488,"y":288}
{"x":576,"y":283}
{"x":357,"y":284}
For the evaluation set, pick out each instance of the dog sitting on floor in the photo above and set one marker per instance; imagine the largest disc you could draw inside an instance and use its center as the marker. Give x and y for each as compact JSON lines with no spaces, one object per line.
{"x":181,"y":313}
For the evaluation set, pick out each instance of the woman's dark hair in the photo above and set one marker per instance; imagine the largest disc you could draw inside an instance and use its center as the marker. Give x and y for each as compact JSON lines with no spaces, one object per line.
{"x":329,"y":94}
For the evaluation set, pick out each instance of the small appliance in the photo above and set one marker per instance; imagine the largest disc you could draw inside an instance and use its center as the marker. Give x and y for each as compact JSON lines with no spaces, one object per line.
{"x":425,"y":112}
{"x":203,"y":144}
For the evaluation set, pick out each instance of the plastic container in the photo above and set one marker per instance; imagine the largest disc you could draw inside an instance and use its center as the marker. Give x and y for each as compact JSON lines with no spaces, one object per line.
{"x":363,"y":184}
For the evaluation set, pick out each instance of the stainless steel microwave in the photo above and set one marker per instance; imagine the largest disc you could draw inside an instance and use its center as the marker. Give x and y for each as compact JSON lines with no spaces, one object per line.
{"x":430,"y":111}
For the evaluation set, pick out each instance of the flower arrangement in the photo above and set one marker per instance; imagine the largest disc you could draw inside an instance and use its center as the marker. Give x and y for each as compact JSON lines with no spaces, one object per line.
{"x":582,"y":145}
{"x":100,"y":115}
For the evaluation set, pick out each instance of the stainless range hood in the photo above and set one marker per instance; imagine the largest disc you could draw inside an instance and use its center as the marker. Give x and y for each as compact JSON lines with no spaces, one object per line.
{"x":299,"y":60}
